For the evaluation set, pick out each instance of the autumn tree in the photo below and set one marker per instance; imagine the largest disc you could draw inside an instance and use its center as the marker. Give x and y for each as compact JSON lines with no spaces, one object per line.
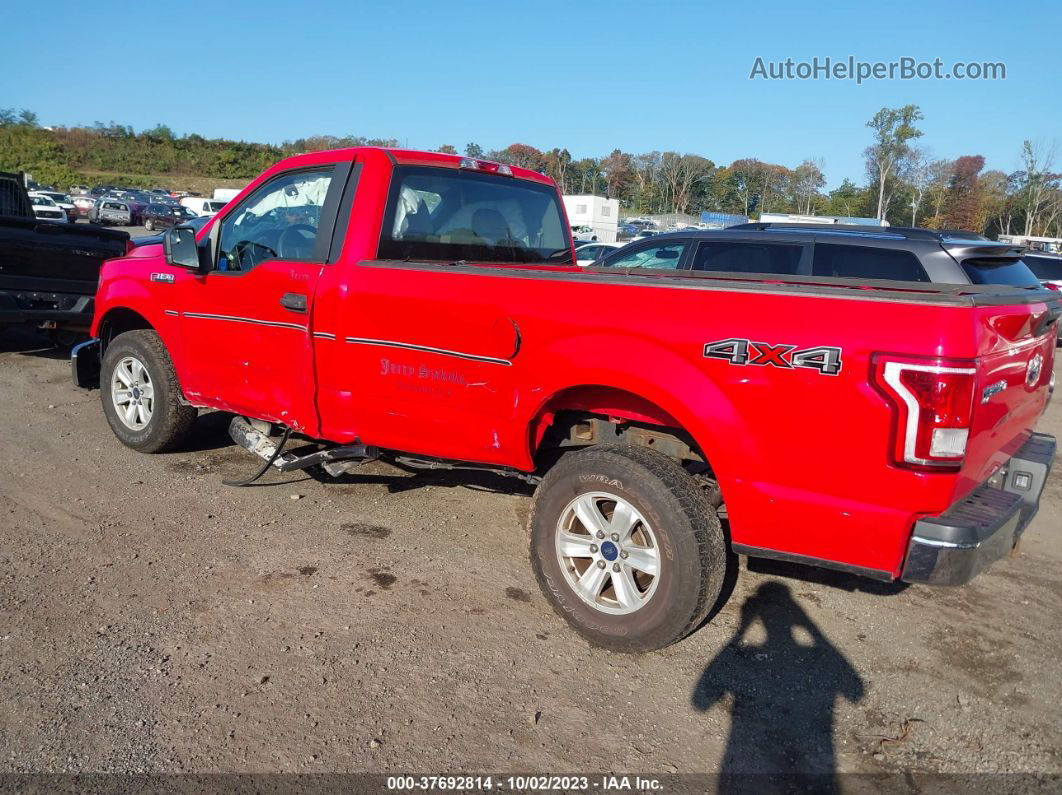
{"x":618,"y":171}
{"x":520,"y":155}
{"x":963,"y":207}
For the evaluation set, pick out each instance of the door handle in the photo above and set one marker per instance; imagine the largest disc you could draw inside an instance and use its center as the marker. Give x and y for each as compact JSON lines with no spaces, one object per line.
{"x":295,"y":302}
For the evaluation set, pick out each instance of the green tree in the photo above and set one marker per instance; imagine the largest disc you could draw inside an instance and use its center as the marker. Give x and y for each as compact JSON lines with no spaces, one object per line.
{"x":893,"y":129}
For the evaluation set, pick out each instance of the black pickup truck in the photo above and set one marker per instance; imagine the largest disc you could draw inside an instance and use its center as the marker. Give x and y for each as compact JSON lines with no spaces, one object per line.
{"x":48,"y":269}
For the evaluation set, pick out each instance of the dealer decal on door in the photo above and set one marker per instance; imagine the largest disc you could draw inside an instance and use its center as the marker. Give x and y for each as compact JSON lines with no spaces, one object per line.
{"x":826,"y":360}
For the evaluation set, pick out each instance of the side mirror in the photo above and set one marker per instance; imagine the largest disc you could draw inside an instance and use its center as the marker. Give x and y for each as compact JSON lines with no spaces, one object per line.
{"x":181,"y":249}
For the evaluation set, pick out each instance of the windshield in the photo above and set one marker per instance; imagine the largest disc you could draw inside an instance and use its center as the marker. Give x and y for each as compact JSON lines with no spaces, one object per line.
{"x":453,"y":215}
{"x":43,"y":201}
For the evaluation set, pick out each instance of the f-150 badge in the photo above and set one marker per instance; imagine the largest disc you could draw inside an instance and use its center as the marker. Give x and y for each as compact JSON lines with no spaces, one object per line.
{"x":825,"y":359}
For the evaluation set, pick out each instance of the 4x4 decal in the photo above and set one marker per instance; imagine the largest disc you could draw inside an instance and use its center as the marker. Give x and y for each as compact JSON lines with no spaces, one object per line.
{"x":825,"y":359}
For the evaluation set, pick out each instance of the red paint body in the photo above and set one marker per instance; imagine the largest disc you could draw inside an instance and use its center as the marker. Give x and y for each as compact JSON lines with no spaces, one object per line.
{"x":803,"y":459}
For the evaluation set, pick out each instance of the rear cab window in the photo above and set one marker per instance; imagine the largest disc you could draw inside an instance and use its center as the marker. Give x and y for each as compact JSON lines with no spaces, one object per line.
{"x":455,"y":215}
{"x":867,"y":262}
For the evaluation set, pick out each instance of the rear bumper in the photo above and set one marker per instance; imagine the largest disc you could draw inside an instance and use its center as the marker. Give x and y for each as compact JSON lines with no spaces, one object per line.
{"x":951,"y":549}
{"x":65,"y":309}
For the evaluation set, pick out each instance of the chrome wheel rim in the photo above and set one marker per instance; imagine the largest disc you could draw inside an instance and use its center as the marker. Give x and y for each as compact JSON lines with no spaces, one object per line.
{"x":132,"y":393}
{"x":608,"y":552}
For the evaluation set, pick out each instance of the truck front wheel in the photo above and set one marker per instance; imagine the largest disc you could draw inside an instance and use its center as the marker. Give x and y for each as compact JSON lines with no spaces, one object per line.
{"x":141,"y":395}
{"x":626,"y":547}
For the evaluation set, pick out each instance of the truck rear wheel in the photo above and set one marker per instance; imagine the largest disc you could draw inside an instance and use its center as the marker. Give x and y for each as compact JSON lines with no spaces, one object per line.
{"x":141,"y":395}
{"x":626,"y":547}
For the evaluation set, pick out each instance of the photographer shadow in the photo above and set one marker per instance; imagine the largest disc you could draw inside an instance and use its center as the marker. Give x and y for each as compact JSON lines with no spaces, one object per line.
{"x":783,"y":692}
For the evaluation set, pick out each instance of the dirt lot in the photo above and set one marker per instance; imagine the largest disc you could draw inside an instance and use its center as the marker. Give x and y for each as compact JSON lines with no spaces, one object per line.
{"x":152,"y":619}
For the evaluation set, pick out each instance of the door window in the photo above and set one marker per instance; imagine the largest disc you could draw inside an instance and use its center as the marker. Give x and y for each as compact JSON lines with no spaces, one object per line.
{"x":277,"y":221}
{"x":659,"y":257}
{"x":866,"y":262}
{"x":748,"y":257}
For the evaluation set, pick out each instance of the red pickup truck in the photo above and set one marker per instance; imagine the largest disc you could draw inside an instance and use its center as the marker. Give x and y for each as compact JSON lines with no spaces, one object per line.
{"x":426,"y":309}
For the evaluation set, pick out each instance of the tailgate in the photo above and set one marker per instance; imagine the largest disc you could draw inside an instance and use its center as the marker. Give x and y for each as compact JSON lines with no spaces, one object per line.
{"x":1016,"y":351}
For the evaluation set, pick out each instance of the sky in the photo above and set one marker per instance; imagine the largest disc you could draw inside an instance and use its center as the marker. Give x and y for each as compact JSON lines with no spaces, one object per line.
{"x":587,"y":76}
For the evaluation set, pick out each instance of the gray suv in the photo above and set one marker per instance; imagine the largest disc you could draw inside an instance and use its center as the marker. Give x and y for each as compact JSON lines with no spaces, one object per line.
{"x":850,"y":253}
{"x":111,"y":211}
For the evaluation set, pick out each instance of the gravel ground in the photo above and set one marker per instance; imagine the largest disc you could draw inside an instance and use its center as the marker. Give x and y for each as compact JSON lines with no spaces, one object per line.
{"x":153,"y":620}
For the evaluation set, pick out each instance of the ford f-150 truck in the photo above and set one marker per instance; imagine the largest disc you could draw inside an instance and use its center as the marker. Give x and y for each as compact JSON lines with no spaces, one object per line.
{"x":426,"y":309}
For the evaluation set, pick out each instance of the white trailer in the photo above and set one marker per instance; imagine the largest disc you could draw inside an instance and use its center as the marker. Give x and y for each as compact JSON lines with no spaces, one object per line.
{"x":226,"y":194}
{"x":598,"y":214}
{"x":1048,"y":245}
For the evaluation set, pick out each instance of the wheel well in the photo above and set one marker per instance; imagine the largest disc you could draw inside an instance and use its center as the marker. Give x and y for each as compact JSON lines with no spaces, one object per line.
{"x":589,"y":415}
{"x":584,"y":417}
{"x":573,"y":429}
{"x":119,"y":321}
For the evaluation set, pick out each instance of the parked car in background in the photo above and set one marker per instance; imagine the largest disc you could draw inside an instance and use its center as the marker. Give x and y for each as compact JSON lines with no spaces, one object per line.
{"x":62,"y":201}
{"x":202,"y":206}
{"x":138,"y":202}
{"x":196,"y":222}
{"x":583,"y":233}
{"x":47,"y":210}
{"x":1048,"y":269}
{"x":111,"y":211}
{"x":584,"y":255}
{"x":83,"y":205}
{"x":79,"y":190}
{"x":644,"y":234}
{"x":866,"y":253}
{"x":163,"y":216}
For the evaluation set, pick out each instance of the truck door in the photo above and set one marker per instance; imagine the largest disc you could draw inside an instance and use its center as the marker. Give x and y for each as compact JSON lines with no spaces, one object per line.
{"x":246,"y":325}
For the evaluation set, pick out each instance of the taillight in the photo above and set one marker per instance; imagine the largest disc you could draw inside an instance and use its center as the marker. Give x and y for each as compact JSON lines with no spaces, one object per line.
{"x":1053,"y":285}
{"x":933,"y":403}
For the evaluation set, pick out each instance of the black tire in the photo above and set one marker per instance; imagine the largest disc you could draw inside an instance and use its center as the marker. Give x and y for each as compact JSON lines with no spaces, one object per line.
{"x":693,"y":552}
{"x":170,"y":422}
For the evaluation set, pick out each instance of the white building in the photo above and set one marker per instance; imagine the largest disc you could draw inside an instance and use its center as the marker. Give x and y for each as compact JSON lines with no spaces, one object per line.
{"x":596,"y":212}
